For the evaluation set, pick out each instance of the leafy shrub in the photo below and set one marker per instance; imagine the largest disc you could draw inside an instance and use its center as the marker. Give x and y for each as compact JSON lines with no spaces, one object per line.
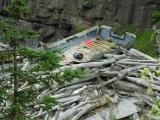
{"x":45,"y":59}
{"x":49,"y":102}
{"x":156,"y":16}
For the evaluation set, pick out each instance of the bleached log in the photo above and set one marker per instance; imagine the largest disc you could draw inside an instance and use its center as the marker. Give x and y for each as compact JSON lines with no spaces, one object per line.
{"x":143,"y":83}
{"x":122,"y":72}
{"x":4,"y":45}
{"x":149,"y":81}
{"x":114,"y":56}
{"x":89,"y":65}
{"x":34,"y":86}
{"x":140,"y":60}
{"x":71,"y":101}
{"x":90,"y":105}
{"x":71,"y":112}
{"x":66,"y":99}
{"x":133,"y":68}
{"x":107,"y":82}
{"x":136,"y":63}
{"x":98,"y":103}
{"x":46,"y":116}
{"x":73,"y":87}
{"x":134,"y":51}
{"x":35,"y":115}
{"x":155,"y":77}
{"x":42,"y":94}
{"x":24,"y":68}
{"x":23,"y":86}
{"x":62,"y":94}
{"x":84,"y":80}
{"x":65,"y":104}
{"x":83,"y":111}
{"x":78,"y":91}
{"x":85,"y":65}
{"x":129,"y":53}
{"x":127,"y":86}
{"x":109,"y":73}
{"x":57,"y":113}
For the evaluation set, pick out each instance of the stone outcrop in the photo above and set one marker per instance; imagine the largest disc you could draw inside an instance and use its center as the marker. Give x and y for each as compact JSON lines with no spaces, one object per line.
{"x":65,"y":17}
{"x":60,"y":18}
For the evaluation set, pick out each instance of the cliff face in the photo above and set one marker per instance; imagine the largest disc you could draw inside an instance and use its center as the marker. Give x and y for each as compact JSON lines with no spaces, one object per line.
{"x":65,"y":17}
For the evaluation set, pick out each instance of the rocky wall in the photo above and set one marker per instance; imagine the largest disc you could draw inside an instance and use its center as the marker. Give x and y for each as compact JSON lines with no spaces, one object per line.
{"x":57,"y":19}
{"x":65,"y":17}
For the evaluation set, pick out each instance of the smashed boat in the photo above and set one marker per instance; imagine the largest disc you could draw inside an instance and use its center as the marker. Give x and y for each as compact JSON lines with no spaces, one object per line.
{"x":91,"y":44}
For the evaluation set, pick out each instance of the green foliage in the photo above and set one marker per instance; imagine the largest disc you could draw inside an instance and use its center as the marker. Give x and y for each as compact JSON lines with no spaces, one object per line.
{"x":156,"y":16}
{"x":155,"y":110}
{"x":68,"y":76}
{"x":49,"y":102}
{"x":144,"y":39}
{"x":5,"y":56}
{"x":26,"y":75}
{"x":19,"y":9}
{"x":48,"y":81}
{"x":19,"y":110}
{"x":157,"y":72}
{"x":26,"y":96}
{"x":11,"y":32}
{"x":145,"y":43}
{"x":44,"y":59}
{"x":145,"y":71}
{"x":145,"y":74}
{"x":150,"y":91}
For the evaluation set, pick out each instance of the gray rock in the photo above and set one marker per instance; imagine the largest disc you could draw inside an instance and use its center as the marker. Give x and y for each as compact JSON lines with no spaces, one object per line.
{"x":136,"y":116}
{"x":125,"y":109}
{"x":47,"y":32}
{"x":103,"y":115}
{"x":56,"y":4}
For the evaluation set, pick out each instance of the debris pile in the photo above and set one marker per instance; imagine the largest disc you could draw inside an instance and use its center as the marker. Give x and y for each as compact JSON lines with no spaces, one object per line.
{"x":115,"y":87}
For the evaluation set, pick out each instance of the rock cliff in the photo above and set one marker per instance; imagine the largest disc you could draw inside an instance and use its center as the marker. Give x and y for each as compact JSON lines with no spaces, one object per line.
{"x":61,"y":18}
{"x":57,"y":19}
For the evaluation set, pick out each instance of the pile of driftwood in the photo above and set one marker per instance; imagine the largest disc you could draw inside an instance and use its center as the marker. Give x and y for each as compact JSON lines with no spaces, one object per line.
{"x":112,"y":89}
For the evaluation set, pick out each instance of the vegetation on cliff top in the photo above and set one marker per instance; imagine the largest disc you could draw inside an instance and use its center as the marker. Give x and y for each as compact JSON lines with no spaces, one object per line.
{"x":145,"y":39}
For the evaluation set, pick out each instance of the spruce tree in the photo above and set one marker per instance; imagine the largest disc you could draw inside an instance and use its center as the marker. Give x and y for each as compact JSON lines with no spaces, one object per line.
{"x":13,"y":100}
